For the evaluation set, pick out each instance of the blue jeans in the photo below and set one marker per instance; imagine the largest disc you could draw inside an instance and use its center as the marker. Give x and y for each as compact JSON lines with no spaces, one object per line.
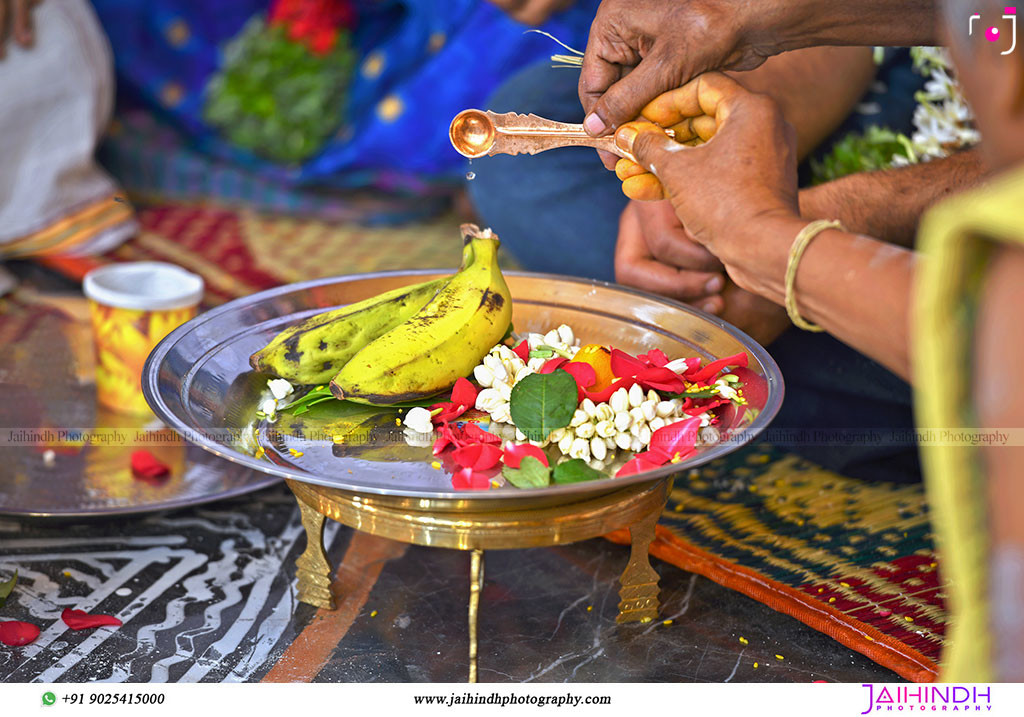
{"x":558,"y":212}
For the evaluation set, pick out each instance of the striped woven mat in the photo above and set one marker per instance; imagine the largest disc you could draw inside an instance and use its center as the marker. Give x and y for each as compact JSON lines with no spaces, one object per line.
{"x":851,"y":559}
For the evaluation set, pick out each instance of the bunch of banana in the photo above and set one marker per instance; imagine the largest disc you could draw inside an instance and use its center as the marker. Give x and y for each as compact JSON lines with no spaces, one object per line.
{"x":441,"y":342}
{"x":313,"y":351}
{"x":406,"y":344}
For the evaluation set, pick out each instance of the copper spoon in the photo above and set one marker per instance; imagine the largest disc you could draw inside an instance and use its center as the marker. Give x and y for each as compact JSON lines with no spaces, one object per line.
{"x":475,"y":133}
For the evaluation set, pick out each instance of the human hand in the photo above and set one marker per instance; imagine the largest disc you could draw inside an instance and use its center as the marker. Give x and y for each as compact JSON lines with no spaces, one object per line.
{"x":16,"y":21}
{"x":744,"y":174}
{"x":532,"y":12}
{"x":654,"y":253}
{"x":639,"y":49}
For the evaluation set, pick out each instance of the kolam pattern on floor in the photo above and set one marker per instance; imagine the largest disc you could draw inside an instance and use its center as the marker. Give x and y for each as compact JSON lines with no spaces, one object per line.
{"x":851,"y":559}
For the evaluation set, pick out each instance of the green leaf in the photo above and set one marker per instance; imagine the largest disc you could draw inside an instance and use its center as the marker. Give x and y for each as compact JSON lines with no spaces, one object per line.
{"x":301,"y":405}
{"x":531,"y":473}
{"x":576,"y":471}
{"x":7,"y":587}
{"x":542,"y":403}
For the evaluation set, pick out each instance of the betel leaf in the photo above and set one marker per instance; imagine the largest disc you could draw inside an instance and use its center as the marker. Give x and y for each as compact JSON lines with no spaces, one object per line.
{"x":7,"y":587}
{"x":303,"y":404}
{"x":531,"y":473}
{"x":542,"y":403}
{"x":576,"y":471}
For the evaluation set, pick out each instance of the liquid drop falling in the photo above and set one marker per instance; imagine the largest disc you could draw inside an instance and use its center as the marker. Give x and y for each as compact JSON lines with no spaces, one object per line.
{"x":470,"y":176}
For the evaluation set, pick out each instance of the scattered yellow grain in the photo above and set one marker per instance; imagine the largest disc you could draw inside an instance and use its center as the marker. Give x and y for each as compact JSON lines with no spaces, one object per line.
{"x":831,"y":599}
{"x":645,"y":620}
{"x":666,"y":622}
{"x":398,"y":421}
{"x":821,"y":590}
{"x":779,"y":657}
{"x":678,"y":508}
{"x":295,"y":453}
{"x":589,"y":608}
{"x":845,"y":585}
{"x":436,"y":465}
{"x":744,"y":641}
{"x":908,"y":618}
{"x":755,"y":665}
{"x":870,"y":638}
{"x":373,"y":614}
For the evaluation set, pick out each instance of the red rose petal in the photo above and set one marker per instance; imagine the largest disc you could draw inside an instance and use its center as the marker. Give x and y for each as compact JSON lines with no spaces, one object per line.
{"x":146,"y":466}
{"x":661,"y":379}
{"x":624,"y":365}
{"x":522,"y":350}
{"x":81,"y":620}
{"x":602,"y":396}
{"x":584,"y":373}
{"x":516,"y":452}
{"x":449,"y":411}
{"x":714,"y":367}
{"x":476,"y":434}
{"x":679,"y":437}
{"x":468,"y":479}
{"x":654,"y":357}
{"x":552,"y":364}
{"x":477,"y":456}
{"x":705,"y":407}
{"x":15,"y":634}
{"x":464,"y":393}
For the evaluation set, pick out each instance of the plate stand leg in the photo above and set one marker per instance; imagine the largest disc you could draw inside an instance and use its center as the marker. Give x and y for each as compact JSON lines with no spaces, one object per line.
{"x":639,"y":583}
{"x":476,"y":584}
{"x":314,"y":572}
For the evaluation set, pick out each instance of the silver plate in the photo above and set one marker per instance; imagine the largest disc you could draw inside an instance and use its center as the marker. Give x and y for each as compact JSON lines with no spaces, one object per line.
{"x":199,"y":382}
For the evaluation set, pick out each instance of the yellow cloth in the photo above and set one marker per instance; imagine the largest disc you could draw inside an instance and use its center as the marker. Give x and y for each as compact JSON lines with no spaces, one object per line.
{"x":955,"y":241}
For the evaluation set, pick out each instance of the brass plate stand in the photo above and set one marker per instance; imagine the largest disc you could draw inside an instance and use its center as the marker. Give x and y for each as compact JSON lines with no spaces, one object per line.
{"x":465,"y":526}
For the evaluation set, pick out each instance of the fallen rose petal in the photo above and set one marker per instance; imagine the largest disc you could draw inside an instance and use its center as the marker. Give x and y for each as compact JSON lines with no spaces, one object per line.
{"x":464,"y":393}
{"x":675,"y":438}
{"x":449,"y":411}
{"x":476,"y":434}
{"x":16,"y":634}
{"x":146,"y":466}
{"x":522,"y":350}
{"x":605,"y":395}
{"x":654,"y":357}
{"x":623,"y":365}
{"x":661,"y":379}
{"x":704,"y":408}
{"x":638,"y":464}
{"x":478,"y":456}
{"x":714,"y":367}
{"x":584,"y":375}
{"x":515,"y":453}
{"x":552,"y":364}
{"x":468,"y":479}
{"x":81,"y":620}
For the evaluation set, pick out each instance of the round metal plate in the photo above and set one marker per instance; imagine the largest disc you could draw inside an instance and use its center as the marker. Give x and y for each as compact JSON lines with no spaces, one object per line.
{"x":199,"y":382}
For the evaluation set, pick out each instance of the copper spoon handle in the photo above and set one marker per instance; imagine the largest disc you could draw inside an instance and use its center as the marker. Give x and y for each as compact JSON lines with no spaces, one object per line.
{"x":478,"y":133}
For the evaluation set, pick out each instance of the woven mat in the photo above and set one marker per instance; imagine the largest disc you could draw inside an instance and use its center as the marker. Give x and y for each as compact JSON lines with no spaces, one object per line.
{"x":850,"y":559}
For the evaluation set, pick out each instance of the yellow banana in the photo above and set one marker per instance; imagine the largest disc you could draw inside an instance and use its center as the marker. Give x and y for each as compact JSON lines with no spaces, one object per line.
{"x":441,"y":342}
{"x":313,"y":351}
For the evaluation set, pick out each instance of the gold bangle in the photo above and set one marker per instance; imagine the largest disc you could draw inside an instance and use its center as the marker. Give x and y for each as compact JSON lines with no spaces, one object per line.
{"x":796,"y":252}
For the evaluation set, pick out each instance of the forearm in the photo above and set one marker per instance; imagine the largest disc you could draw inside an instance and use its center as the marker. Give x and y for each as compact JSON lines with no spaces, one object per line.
{"x":855,"y":287}
{"x":805,"y":85}
{"x":782,"y":25}
{"x":888,"y":204}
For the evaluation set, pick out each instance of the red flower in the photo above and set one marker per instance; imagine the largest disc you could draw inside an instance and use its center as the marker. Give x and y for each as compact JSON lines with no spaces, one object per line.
{"x":709,"y":371}
{"x":16,"y":634}
{"x":476,"y":434}
{"x":147,"y":468}
{"x":679,"y":437}
{"x":323,"y":41}
{"x":450,"y":436}
{"x":516,"y":452}
{"x":468,"y":479}
{"x":522,"y":350}
{"x":477,"y":456}
{"x":654,"y":357}
{"x":81,"y":620}
{"x":553,"y":364}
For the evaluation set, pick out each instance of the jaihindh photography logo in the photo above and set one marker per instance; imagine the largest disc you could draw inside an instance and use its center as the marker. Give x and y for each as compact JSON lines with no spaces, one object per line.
{"x":928,"y":698}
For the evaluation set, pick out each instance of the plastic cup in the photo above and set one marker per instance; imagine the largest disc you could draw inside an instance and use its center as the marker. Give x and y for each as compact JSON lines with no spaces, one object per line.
{"x":132,"y":307}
